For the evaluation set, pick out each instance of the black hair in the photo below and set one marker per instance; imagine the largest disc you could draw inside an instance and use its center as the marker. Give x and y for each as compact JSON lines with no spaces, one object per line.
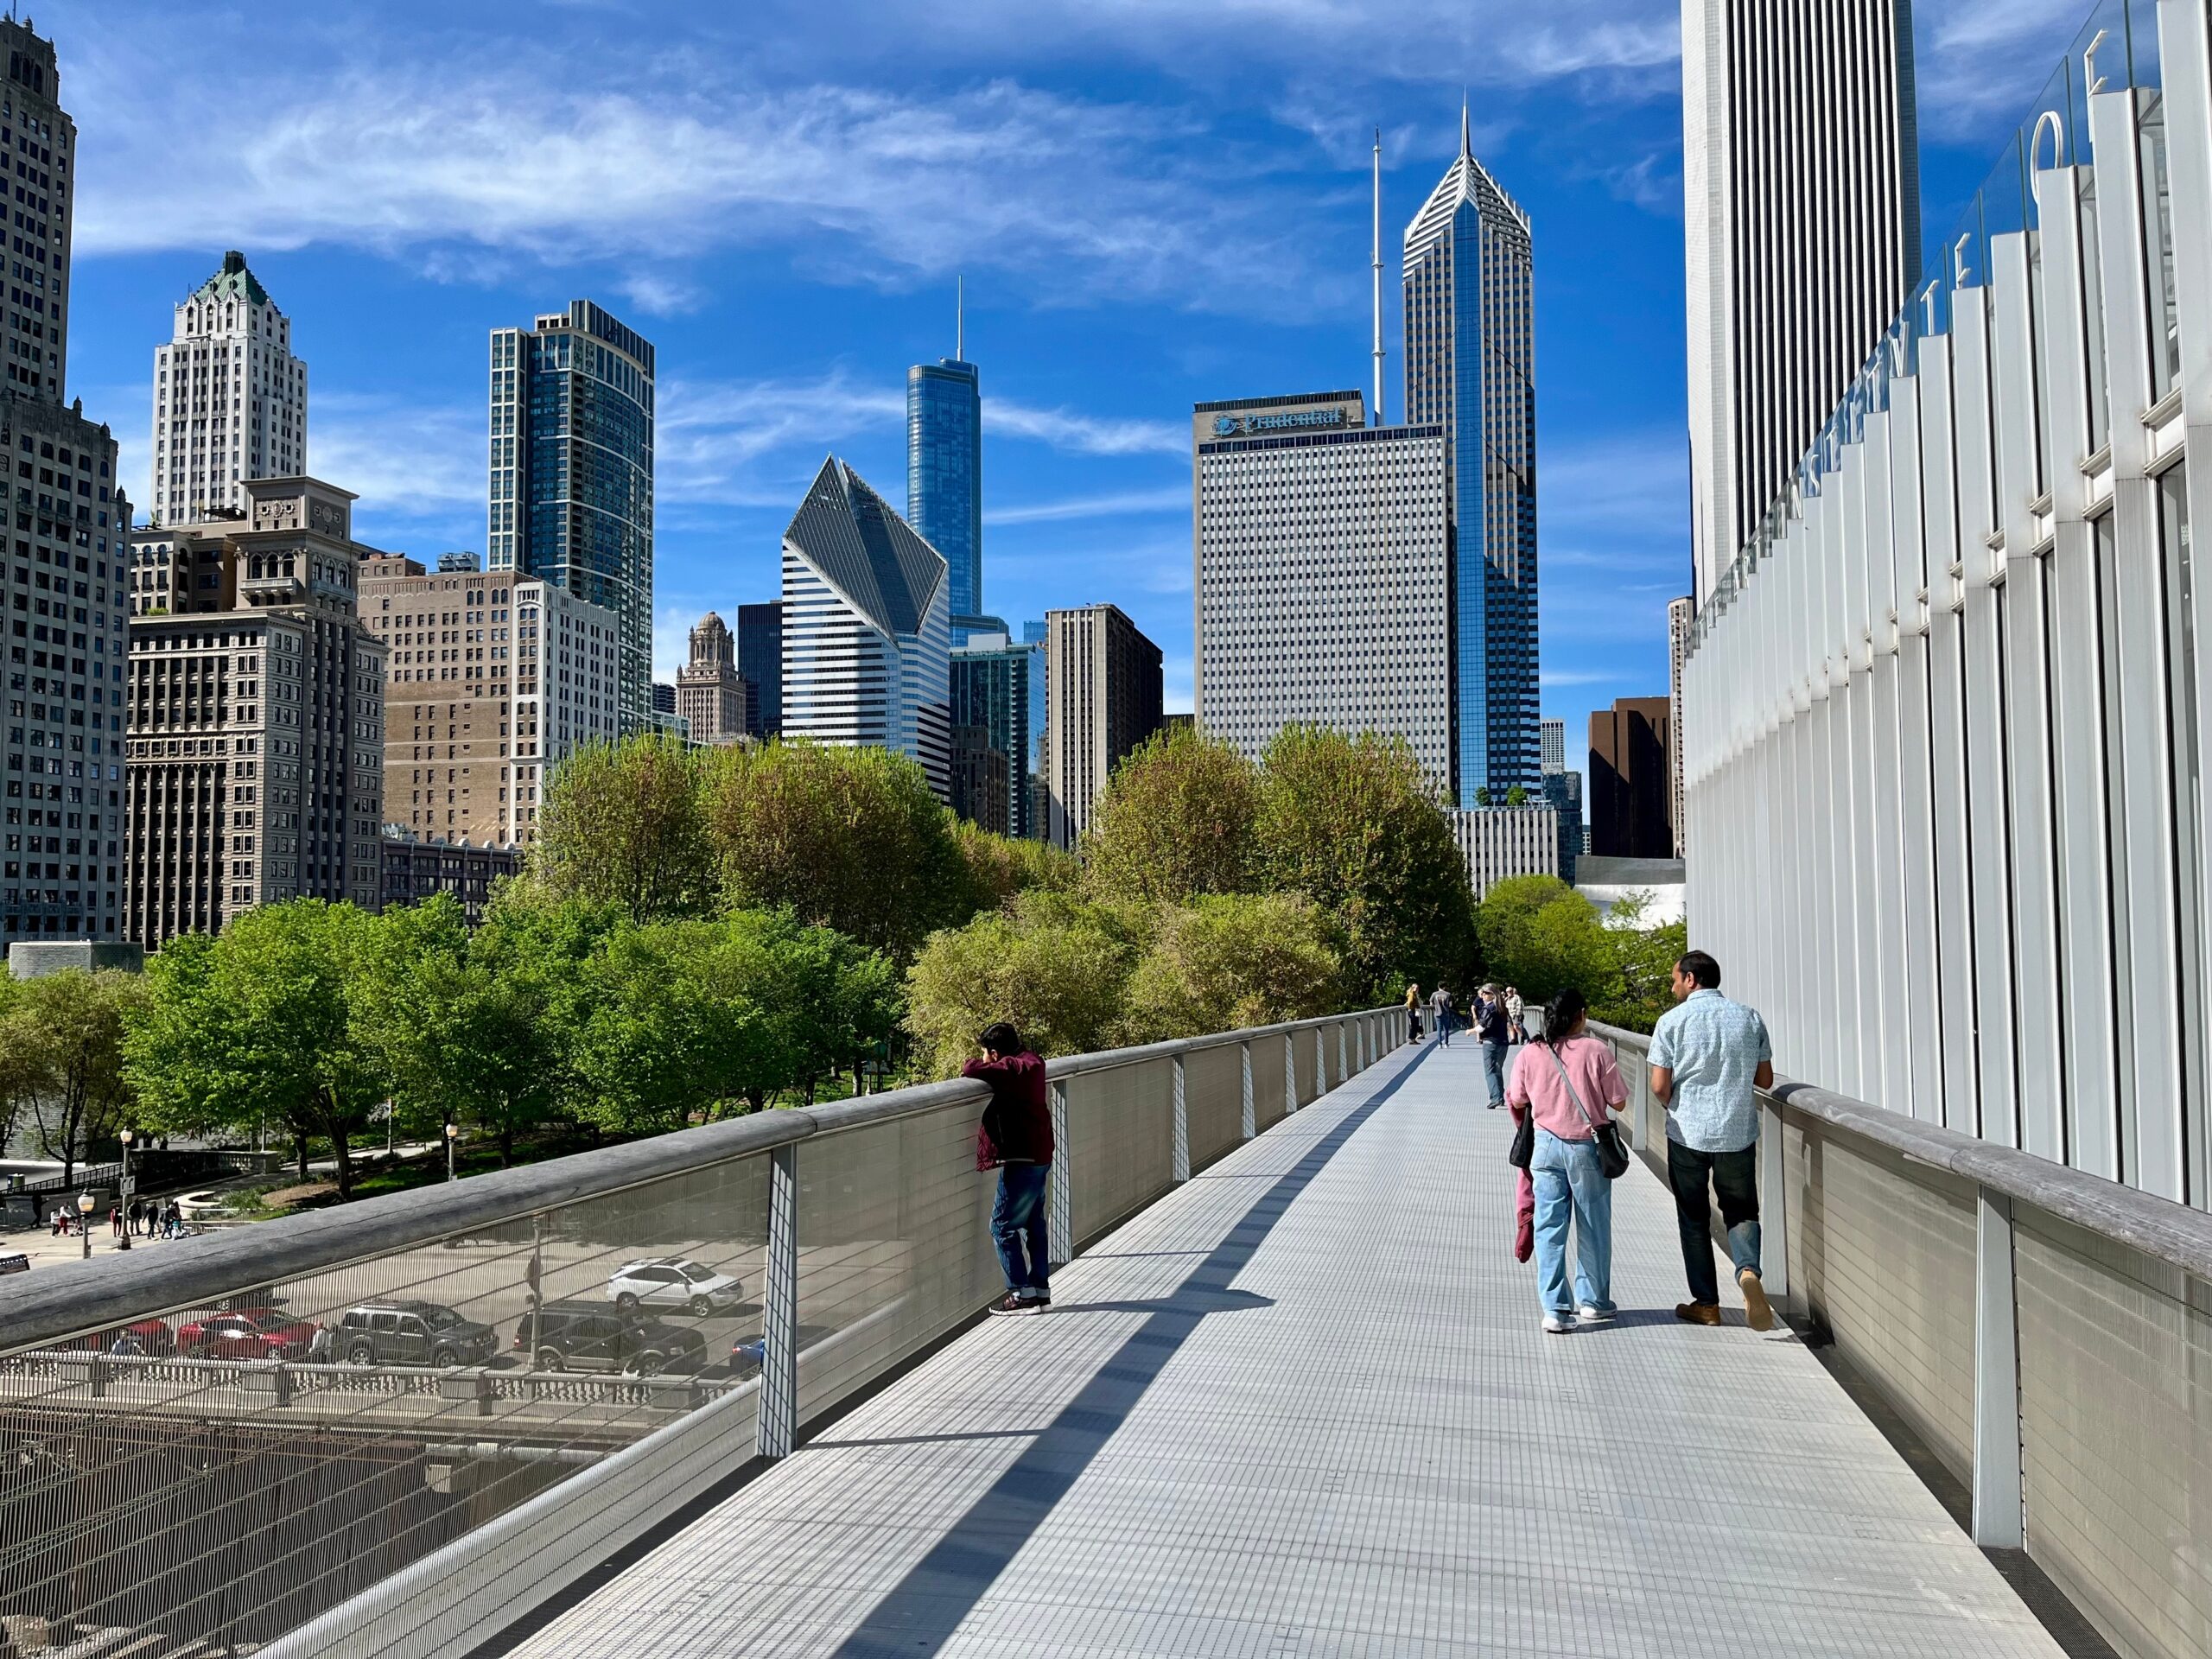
{"x":1566,"y":1007}
{"x":1701,"y":967}
{"x":1001,"y":1038}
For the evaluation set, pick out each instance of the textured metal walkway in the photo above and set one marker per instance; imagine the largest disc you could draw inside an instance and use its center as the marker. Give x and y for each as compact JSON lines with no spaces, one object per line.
{"x":1303,"y":1406}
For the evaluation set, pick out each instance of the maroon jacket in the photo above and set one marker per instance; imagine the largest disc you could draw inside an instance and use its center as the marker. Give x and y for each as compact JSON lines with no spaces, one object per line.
{"x":1017,"y":1126}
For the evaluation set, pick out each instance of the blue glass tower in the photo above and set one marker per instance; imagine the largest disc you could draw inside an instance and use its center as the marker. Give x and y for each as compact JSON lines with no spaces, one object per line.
{"x":571,"y":489}
{"x":1471,"y":367}
{"x":944,"y":473}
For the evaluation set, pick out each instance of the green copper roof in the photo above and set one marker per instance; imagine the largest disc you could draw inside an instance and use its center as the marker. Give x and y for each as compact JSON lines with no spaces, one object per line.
{"x":232,"y":279}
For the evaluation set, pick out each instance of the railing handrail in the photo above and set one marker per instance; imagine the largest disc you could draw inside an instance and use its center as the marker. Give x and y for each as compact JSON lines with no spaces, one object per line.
{"x":71,"y":1300}
{"x":2170,"y":1232}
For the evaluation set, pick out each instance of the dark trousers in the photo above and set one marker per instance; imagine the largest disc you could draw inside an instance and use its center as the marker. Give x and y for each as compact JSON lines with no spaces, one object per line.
{"x":1734,"y":1177}
{"x":1019,"y":1229}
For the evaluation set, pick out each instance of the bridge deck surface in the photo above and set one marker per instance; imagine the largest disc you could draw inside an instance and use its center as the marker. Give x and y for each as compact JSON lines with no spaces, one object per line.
{"x":1302,"y":1406}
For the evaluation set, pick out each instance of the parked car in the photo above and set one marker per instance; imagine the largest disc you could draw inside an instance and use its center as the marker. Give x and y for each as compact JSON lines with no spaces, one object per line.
{"x":413,"y":1333}
{"x":151,"y":1337}
{"x":245,"y":1333}
{"x":592,"y":1337}
{"x":671,"y":1281}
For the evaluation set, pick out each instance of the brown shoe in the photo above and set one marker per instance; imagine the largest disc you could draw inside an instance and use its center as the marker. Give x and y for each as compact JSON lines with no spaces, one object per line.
{"x":1697,"y":1312}
{"x":1758,"y":1312}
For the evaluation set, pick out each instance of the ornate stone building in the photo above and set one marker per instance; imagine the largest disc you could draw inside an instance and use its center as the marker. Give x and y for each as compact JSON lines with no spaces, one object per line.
{"x":710,"y":693}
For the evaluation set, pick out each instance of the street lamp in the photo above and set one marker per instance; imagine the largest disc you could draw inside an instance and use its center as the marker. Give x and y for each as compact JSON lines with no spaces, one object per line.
{"x":85,"y":1220}
{"x":123,"y":1186}
{"x":453,"y":1133}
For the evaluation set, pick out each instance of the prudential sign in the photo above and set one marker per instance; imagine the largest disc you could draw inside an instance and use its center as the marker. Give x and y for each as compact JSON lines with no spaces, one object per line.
{"x":1253,"y":426}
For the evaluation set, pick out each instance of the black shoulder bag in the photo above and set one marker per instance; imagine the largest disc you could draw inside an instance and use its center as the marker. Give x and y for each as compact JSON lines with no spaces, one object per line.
{"x":1612,"y":1156}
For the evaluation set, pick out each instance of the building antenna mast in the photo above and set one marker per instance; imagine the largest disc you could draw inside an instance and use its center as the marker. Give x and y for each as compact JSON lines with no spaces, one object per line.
{"x":1378,"y":276}
{"x":960,"y":318}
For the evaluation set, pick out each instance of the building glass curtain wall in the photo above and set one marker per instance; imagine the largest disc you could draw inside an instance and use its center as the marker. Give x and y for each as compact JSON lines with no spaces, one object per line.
{"x":945,"y":472}
{"x":995,"y":685}
{"x":571,"y":482}
{"x":1944,"y":714}
{"x":1470,"y":369}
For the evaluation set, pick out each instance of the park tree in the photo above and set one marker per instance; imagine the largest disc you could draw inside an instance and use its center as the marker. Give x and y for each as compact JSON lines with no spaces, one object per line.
{"x":1350,"y":823}
{"x":846,"y":838}
{"x":62,"y":1047}
{"x":1175,"y":821}
{"x":1234,"y":960}
{"x":998,"y":867}
{"x":1541,"y":936}
{"x":626,"y":824}
{"x":1055,"y":965}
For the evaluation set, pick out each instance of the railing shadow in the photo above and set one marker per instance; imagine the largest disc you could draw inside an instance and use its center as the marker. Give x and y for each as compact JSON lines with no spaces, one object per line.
{"x":920,"y":1613}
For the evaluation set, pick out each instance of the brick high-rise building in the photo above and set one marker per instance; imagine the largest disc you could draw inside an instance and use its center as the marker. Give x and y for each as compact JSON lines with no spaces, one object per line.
{"x":496,"y":677}
{"x":60,"y":557}
{"x":1631,"y":780}
{"x":1103,"y":698}
{"x":255,"y":766}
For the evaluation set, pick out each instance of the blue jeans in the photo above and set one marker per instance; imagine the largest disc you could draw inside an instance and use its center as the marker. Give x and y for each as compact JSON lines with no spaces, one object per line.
{"x":1494,"y":1068}
{"x":1019,"y":1231}
{"x":1734,"y":1178}
{"x":1570,"y":1182}
{"x":1444,"y":1027}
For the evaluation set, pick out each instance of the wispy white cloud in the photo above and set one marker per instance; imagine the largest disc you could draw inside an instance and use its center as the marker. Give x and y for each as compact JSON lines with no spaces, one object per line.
{"x":1979,"y":63}
{"x":1615,"y":485}
{"x":1087,"y":435}
{"x":1125,"y":504}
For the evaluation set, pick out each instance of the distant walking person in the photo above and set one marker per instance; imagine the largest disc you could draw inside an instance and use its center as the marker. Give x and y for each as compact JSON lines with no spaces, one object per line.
{"x":1413,"y":1013}
{"x":1709,"y":1055}
{"x":1570,"y":1083}
{"x":1015,"y":1138}
{"x":1440,"y":1004}
{"x":1491,"y":1028}
{"x":1516,"y":1026}
{"x":115,"y":1221}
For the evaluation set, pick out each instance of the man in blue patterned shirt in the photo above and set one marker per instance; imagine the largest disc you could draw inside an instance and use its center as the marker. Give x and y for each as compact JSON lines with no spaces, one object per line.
{"x":1709,"y":1055}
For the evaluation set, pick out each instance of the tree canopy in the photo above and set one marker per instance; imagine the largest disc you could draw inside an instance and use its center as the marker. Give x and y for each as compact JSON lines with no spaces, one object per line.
{"x":1175,"y":821}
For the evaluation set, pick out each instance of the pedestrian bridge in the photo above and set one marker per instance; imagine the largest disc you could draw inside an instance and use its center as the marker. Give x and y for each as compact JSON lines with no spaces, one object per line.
{"x":1292,"y":1398}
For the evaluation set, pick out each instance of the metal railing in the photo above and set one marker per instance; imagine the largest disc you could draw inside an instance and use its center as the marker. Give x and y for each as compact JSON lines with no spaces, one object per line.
{"x":2047,"y":1333}
{"x":350,"y":1431}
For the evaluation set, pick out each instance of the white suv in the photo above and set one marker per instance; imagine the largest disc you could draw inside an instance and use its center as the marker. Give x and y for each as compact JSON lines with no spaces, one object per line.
{"x":671,"y":1282}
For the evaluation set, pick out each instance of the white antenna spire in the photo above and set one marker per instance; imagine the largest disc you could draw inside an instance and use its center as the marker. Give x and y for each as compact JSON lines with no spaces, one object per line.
{"x":960,"y":318}
{"x":1466,"y":128}
{"x":1378,"y":276}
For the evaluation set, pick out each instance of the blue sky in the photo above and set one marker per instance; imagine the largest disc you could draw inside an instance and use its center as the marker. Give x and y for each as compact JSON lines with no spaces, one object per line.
{"x":1153,"y":201}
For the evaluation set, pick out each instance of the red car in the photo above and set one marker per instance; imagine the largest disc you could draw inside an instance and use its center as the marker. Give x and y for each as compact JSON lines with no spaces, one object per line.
{"x":245,"y":1333}
{"x":151,"y":1337}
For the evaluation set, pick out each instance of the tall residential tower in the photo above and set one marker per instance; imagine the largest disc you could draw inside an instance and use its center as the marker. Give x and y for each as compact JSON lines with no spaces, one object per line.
{"x":230,"y":399}
{"x":1800,"y":197}
{"x":571,"y":496}
{"x":1469,"y":281}
{"x":945,"y":474}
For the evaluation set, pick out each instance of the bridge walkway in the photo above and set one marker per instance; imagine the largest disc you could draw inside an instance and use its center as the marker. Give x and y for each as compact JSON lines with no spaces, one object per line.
{"x":1303,"y":1406}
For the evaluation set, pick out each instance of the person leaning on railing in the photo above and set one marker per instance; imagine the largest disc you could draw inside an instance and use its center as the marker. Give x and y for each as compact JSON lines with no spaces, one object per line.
{"x":1015,"y":1138}
{"x":1709,"y":1056}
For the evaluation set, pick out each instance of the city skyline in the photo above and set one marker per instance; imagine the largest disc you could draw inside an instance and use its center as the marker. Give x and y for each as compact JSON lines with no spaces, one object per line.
{"x":768,"y":360}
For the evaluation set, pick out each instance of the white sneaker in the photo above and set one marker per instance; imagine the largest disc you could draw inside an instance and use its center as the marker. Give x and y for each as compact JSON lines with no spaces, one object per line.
{"x":1590,"y":1315}
{"x":1558,"y":1325}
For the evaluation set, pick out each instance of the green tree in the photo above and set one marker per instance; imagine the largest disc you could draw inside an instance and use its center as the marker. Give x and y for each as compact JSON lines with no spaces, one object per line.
{"x":1056,"y":966}
{"x":626,"y":824}
{"x":846,"y":838}
{"x":1517,"y":796}
{"x":1350,"y":823}
{"x":67,"y":1035}
{"x":1176,"y":820}
{"x":998,"y":867}
{"x":1482,"y":796}
{"x":1541,"y":936}
{"x":260,"y":1025}
{"x":1234,"y":960}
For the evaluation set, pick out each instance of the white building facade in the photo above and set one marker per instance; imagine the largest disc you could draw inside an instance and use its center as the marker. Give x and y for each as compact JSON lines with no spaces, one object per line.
{"x":1322,"y":575}
{"x":1801,"y":229}
{"x":1946,"y":720}
{"x":1498,"y":841}
{"x":230,"y":399}
{"x":867,"y":636}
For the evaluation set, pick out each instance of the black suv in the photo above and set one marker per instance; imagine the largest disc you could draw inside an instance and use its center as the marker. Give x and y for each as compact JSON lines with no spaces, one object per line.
{"x":594,"y":1336}
{"x":412,"y":1334}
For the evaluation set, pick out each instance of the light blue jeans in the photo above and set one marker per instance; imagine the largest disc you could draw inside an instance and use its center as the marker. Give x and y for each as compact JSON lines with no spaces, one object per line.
{"x":1569,"y":1182}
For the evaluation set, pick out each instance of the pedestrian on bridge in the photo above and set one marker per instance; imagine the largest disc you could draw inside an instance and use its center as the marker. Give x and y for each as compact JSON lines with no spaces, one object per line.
{"x":1440,"y":1005}
{"x":1570,"y":1083}
{"x":1015,"y":1138}
{"x":1491,"y":1028}
{"x":1413,"y":1013}
{"x":1709,"y":1056}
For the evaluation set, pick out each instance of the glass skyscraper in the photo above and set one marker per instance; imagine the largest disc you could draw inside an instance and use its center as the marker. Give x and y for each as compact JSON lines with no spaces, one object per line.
{"x":571,"y":496}
{"x":1000,"y":686}
{"x":1471,"y":368}
{"x":944,"y":473}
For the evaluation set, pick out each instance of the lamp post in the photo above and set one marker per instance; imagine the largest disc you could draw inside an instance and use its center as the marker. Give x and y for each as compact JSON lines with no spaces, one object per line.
{"x":123,"y":1194}
{"x":84,"y":1221}
{"x":453,"y":1133}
